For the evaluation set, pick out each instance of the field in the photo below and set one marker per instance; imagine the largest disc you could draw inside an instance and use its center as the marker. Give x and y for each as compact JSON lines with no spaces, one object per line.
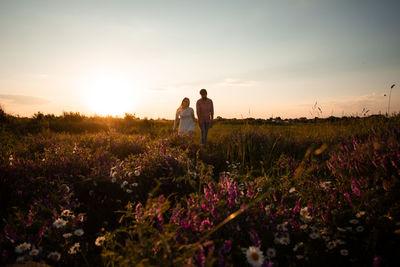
{"x":79,"y":191}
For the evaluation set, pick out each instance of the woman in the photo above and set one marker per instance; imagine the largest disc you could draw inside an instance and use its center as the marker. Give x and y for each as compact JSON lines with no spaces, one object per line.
{"x":185,"y":116}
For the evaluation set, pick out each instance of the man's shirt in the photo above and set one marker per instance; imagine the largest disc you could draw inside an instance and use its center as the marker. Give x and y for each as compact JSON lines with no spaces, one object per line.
{"x":204,"y":110}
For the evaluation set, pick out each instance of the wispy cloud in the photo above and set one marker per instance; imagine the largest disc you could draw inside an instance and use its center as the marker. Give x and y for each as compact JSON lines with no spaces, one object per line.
{"x":24,"y":99}
{"x":237,"y":82}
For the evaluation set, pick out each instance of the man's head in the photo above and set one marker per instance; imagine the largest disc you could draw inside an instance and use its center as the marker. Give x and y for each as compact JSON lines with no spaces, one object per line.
{"x":203,"y":93}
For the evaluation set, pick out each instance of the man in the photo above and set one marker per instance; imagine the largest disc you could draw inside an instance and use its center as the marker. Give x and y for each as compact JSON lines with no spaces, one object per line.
{"x":205,"y":114}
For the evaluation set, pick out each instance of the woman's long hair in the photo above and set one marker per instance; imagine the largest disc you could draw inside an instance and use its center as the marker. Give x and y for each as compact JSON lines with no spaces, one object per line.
{"x":181,"y":106}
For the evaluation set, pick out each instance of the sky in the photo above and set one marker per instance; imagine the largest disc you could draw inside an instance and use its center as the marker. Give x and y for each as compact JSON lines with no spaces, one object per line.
{"x":256,"y":58}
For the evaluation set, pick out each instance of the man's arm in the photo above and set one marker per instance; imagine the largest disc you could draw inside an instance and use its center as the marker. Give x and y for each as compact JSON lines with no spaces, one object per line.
{"x":198,"y":109}
{"x":212,"y":110}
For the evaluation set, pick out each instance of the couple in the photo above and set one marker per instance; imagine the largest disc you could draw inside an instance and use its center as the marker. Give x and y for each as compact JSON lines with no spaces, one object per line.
{"x":205,"y":115}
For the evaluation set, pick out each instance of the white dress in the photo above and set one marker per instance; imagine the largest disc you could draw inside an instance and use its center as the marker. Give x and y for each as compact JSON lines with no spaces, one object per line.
{"x":185,"y":118}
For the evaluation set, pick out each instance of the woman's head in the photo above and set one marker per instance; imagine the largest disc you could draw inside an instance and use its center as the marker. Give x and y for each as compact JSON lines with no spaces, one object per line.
{"x":185,"y":103}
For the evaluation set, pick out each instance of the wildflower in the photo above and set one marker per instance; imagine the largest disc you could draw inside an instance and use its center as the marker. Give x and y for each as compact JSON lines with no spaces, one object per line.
{"x":296,"y":247}
{"x":355,"y":186}
{"x":331,"y":245}
{"x":129,"y":191}
{"x":299,"y":257}
{"x":135,"y":184}
{"x":59,"y":223}
{"x":113,"y":180}
{"x":325,"y":185}
{"x":124,"y":184}
{"x":81,"y":217}
{"x":283,"y":239}
{"x":271,"y":253}
{"x":21,"y":259}
{"x":74,"y":249}
{"x":79,"y":232}
{"x":314,"y":235}
{"x":305,"y":214}
{"x":268,"y":209}
{"x":360,"y":214}
{"x":326,"y":238}
{"x":99,"y":241}
{"x":137,"y":172}
{"x":354,"y":221}
{"x":54,"y":256}
{"x":360,"y":229}
{"x":344,"y":252}
{"x":340,"y":229}
{"x":67,"y":235}
{"x":292,"y":190}
{"x":282,"y":227}
{"x":66,"y":213}
{"x":348,"y":198}
{"x":22,"y":247}
{"x":34,"y":252}
{"x":303,"y":227}
{"x":340,"y":242}
{"x":259,"y":189}
{"x":254,"y":256}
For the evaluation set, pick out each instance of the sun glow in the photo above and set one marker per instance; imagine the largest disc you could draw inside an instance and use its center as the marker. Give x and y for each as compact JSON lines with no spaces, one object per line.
{"x":110,"y":95}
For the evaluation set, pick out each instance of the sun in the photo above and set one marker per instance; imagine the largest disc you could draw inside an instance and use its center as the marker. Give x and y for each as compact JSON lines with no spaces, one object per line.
{"x":110,"y":95}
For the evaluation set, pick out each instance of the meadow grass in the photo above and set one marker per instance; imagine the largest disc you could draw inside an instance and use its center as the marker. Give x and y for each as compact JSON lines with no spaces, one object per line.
{"x":79,"y":190}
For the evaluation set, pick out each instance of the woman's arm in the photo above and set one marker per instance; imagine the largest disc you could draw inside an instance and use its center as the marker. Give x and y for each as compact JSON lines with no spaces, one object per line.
{"x":176,"y":119}
{"x":193,"y":118}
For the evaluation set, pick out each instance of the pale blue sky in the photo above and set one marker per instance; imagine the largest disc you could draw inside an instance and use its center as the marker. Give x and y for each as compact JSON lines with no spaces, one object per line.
{"x":256,"y":58}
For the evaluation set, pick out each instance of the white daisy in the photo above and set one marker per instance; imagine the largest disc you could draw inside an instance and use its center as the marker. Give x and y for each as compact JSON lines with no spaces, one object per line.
{"x":354,"y":221}
{"x":254,"y":256}
{"x":344,"y":252}
{"x":360,"y":228}
{"x":99,"y":241}
{"x":21,"y":260}
{"x":79,"y":232}
{"x":360,"y":214}
{"x":124,"y":184}
{"x":59,"y":223}
{"x":34,"y":252}
{"x":271,"y":253}
{"x":331,"y":245}
{"x":67,"y":235}
{"x":74,"y":249}
{"x":340,"y":242}
{"x":54,"y":256}
{"x":66,"y":213}
{"x":22,"y":247}
{"x":314,"y":235}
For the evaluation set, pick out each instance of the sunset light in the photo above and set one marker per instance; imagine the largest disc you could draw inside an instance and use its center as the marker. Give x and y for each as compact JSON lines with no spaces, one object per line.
{"x":110,"y":95}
